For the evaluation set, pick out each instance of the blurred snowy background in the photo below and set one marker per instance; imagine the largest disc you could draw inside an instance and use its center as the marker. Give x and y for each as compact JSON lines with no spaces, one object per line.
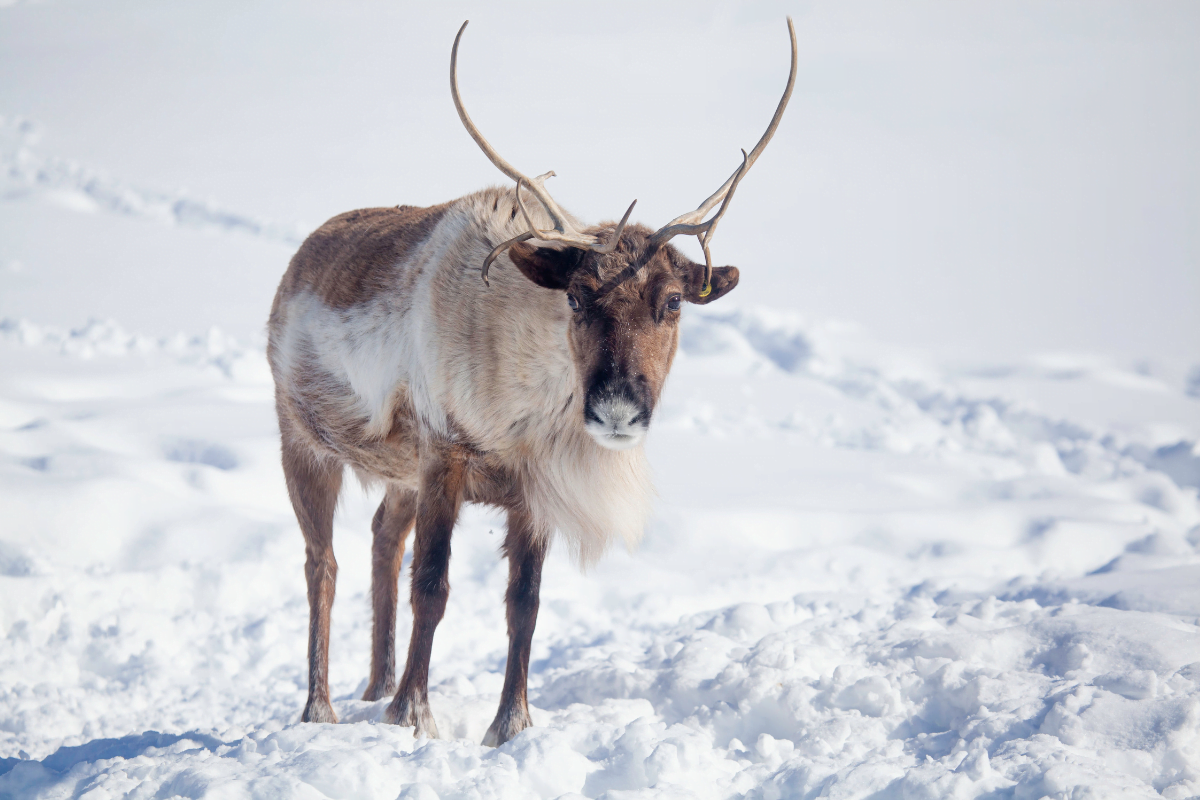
{"x":949,"y":418}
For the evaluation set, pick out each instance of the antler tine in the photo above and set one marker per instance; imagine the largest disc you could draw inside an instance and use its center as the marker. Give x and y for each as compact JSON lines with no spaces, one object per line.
{"x":690,"y":223}
{"x":524,"y":211}
{"x":711,"y":227}
{"x":497,"y":250}
{"x":611,"y":244}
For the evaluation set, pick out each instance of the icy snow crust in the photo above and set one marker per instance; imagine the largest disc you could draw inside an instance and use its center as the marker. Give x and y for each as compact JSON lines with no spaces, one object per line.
{"x":868,"y":576}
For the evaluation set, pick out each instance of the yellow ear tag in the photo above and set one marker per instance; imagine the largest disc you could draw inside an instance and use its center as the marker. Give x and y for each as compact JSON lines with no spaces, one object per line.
{"x":707,"y":290}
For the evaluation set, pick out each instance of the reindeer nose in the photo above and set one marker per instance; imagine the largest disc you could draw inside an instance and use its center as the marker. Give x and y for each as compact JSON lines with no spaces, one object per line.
{"x":615,"y":420}
{"x":614,"y":414}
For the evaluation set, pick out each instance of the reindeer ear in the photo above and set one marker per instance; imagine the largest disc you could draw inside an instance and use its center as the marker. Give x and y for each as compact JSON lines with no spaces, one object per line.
{"x":723,"y":281}
{"x":546,"y":266}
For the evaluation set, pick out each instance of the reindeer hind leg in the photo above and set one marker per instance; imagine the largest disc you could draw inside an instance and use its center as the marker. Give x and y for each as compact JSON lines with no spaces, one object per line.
{"x":390,"y":528}
{"x":313,"y":486}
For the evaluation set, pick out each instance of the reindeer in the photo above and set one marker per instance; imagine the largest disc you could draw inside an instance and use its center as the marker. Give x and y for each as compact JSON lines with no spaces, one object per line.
{"x":530,"y":390}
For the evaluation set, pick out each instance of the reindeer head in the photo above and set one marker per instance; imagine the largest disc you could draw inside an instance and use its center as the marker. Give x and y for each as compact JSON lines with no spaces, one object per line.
{"x":624,"y":329}
{"x":625,"y":285}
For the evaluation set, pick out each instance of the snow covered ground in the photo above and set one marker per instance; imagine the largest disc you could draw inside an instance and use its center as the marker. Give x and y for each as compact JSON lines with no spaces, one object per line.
{"x":878,"y":567}
{"x":865,"y":575}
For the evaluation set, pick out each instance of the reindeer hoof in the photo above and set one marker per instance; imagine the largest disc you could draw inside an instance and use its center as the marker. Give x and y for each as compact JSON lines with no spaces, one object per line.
{"x":506,"y":725}
{"x":374,"y":692}
{"x":318,"y":711}
{"x":406,"y":711}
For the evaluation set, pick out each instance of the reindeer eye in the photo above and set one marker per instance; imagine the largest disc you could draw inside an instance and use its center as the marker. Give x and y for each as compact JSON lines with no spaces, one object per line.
{"x":673,"y":302}
{"x":572,"y":302}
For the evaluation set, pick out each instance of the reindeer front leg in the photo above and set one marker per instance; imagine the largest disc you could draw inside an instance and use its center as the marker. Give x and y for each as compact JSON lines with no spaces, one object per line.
{"x":438,"y":499}
{"x":526,"y":550}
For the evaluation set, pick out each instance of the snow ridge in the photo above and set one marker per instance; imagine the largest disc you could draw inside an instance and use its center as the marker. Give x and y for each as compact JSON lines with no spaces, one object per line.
{"x":65,"y":182}
{"x":922,"y":415}
{"x":107,"y":338}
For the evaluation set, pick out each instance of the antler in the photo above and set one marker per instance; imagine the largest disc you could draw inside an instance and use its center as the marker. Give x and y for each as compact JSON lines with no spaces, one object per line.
{"x":692,"y":223}
{"x":563,"y":230}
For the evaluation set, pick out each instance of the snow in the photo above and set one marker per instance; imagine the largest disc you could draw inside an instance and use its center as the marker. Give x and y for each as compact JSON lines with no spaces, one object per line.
{"x":860,"y":579}
{"x":881,"y":564}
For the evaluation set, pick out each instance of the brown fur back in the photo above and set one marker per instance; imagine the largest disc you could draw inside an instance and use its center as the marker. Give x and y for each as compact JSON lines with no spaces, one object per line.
{"x":353,"y":256}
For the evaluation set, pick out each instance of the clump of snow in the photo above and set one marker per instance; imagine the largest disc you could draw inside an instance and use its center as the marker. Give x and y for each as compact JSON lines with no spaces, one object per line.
{"x":867,"y":575}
